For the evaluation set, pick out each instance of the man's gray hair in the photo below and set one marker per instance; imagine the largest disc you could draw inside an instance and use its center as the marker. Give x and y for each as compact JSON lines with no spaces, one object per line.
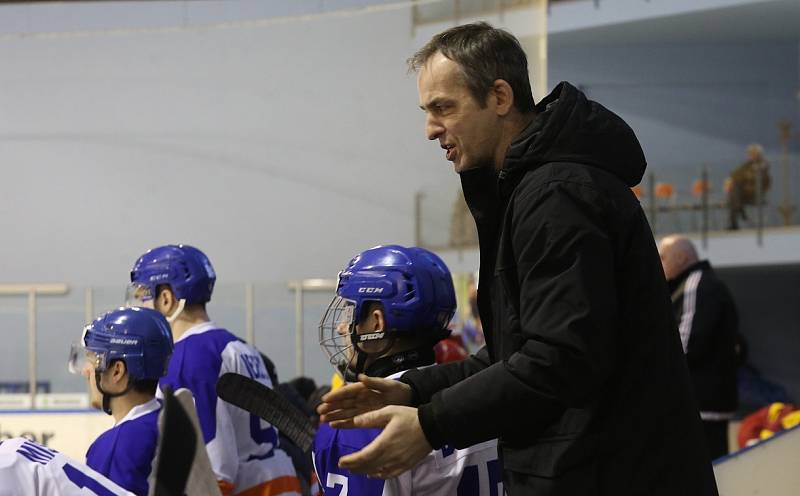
{"x":484,"y":54}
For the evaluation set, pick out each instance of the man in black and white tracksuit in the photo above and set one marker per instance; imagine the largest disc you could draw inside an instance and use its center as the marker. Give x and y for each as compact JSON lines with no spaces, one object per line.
{"x":708,"y":325}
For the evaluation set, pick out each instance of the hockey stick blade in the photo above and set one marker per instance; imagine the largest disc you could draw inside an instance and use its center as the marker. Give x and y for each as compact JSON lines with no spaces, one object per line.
{"x":202,"y":481}
{"x":176,"y":449}
{"x":256,"y":398}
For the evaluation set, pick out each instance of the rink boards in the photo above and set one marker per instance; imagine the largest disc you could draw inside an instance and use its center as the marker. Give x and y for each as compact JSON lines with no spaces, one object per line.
{"x":767,"y":468}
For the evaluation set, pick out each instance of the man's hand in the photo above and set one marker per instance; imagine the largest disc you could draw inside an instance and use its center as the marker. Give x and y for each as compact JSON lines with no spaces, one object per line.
{"x":371,"y":393}
{"x":398,"y":448}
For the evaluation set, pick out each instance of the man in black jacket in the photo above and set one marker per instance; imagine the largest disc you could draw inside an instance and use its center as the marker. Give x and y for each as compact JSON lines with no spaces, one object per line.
{"x":708,"y":327}
{"x":583,"y":378}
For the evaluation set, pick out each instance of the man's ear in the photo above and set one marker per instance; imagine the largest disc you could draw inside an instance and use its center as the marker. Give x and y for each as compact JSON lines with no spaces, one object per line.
{"x":118,"y":371}
{"x":165,"y":297}
{"x":503,"y":95}
{"x":379,"y":319}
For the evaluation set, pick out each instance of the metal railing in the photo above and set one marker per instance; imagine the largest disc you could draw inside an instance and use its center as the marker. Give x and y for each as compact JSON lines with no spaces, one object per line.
{"x":276,"y":317}
{"x":32,"y":291}
{"x":660,"y":206}
{"x":684,"y":201}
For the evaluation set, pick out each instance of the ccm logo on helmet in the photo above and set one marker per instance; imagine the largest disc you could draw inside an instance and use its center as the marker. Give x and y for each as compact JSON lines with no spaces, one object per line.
{"x":370,"y":290}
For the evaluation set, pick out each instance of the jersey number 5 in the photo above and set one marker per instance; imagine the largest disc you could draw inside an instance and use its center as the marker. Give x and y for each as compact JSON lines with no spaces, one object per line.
{"x":263,"y":436}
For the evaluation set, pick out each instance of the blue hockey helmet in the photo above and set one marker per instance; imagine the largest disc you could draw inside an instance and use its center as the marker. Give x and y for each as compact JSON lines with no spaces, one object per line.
{"x":413,"y":285}
{"x":140,"y":337}
{"x":186,"y":270}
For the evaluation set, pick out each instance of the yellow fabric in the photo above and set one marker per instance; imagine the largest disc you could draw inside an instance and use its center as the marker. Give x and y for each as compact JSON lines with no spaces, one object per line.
{"x":336,"y":382}
{"x":791,"y":420}
{"x":765,"y":434}
{"x":774,"y":411}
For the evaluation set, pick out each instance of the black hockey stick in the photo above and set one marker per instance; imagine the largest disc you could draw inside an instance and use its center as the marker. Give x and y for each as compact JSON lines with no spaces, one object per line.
{"x":256,"y":398}
{"x":176,"y":449}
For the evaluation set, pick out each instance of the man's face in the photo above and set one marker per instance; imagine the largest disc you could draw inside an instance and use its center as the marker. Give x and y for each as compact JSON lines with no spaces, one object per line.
{"x":95,"y":398}
{"x":143,"y":296}
{"x":469,"y":134}
{"x":370,"y":324}
{"x":343,"y":330}
{"x":107,"y":381}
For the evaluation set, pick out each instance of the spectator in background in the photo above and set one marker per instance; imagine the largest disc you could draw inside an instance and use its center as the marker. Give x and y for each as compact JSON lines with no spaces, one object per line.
{"x":708,"y":327}
{"x":747,"y":185}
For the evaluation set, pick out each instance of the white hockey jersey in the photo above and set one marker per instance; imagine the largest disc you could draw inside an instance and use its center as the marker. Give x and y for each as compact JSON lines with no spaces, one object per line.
{"x":243,"y":449}
{"x":34,"y":470}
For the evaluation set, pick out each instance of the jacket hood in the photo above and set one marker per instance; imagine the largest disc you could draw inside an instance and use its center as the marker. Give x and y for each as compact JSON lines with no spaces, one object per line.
{"x":570,"y":128}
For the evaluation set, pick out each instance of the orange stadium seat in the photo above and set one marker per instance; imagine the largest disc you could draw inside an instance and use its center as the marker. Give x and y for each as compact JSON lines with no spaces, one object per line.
{"x":665,"y":191}
{"x":699,"y":187}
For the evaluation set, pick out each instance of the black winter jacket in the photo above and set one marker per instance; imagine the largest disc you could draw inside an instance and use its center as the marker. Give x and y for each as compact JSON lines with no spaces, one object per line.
{"x":708,"y":323}
{"x":583,"y":378}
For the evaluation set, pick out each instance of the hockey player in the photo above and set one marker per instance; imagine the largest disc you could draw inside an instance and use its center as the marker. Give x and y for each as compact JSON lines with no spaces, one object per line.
{"x":177,"y":281}
{"x":123,"y":354}
{"x":34,"y":470}
{"x":392,"y":305}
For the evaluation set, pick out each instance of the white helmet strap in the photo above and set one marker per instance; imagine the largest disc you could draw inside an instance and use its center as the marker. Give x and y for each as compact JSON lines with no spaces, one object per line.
{"x":177,"y":312}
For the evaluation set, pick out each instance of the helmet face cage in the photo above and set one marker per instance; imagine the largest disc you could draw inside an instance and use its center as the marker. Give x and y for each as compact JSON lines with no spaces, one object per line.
{"x":340,"y":340}
{"x":335,"y":328}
